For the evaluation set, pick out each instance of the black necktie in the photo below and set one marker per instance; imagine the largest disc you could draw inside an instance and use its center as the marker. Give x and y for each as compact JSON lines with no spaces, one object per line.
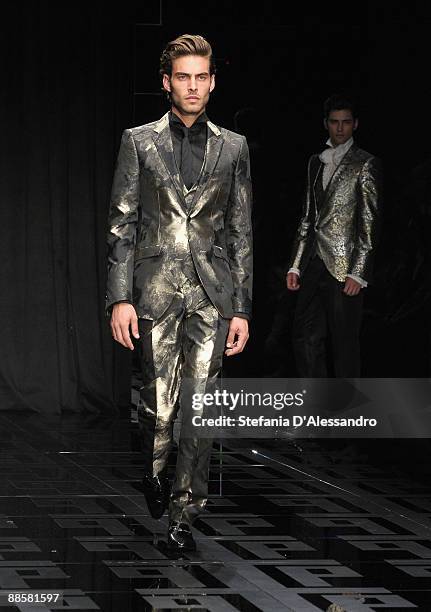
{"x":186,"y":158}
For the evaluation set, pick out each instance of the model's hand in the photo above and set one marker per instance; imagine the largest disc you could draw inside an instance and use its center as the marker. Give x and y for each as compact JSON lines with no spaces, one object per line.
{"x":292,"y":281}
{"x":123,"y":316}
{"x":351,"y":287}
{"x":237,"y":336}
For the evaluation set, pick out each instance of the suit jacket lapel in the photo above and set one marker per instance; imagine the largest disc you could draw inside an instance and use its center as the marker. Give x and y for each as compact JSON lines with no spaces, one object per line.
{"x":348,"y":158}
{"x":314,"y":173}
{"x":163,"y":141}
{"x":212,"y":153}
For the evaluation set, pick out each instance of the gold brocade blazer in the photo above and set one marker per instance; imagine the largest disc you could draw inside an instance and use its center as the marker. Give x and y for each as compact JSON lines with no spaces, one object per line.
{"x":154,"y":222}
{"x":345,"y":225}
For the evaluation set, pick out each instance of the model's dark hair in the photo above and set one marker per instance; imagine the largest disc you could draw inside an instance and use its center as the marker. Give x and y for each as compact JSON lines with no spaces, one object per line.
{"x":186,"y":44}
{"x":339,"y":102}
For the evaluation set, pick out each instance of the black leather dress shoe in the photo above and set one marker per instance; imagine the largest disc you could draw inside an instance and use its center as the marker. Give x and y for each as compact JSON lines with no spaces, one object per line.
{"x":180,"y":537}
{"x":156,"y":491}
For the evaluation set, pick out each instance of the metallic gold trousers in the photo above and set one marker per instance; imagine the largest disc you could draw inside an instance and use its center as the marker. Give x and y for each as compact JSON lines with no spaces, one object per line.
{"x":186,"y":344}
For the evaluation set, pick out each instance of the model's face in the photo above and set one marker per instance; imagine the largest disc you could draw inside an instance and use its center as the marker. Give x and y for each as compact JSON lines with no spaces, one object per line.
{"x":190,"y":84}
{"x":340,"y":125}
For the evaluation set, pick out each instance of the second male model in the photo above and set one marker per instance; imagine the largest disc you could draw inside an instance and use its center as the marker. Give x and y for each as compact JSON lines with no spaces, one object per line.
{"x":333,"y":252}
{"x":180,"y":271}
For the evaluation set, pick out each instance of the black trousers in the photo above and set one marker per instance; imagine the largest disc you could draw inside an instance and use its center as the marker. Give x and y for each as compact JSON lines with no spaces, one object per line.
{"x":322,"y":308}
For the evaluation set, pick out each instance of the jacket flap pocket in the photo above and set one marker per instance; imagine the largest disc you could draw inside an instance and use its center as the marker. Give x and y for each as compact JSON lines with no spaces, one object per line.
{"x":220,"y":252}
{"x":147,"y":251}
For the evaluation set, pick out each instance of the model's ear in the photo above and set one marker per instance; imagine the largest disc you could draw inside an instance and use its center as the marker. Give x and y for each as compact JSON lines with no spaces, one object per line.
{"x":212,"y":84}
{"x":325,"y":123}
{"x":355,"y":124}
{"x":166,"y":82}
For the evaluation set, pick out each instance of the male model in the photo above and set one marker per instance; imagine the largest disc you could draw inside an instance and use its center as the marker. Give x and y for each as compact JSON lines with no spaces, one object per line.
{"x":332,"y":256}
{"x":180,"y":270}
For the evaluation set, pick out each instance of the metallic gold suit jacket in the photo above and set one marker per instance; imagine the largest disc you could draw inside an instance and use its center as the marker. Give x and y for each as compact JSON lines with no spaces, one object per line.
{"x":154,"y":222}
{"x":345,"y":226}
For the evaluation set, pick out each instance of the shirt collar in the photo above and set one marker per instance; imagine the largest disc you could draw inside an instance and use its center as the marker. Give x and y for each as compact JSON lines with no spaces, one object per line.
{"x":174,"y":119}
{"x":333,"y":155}
{"x":342,"y":148}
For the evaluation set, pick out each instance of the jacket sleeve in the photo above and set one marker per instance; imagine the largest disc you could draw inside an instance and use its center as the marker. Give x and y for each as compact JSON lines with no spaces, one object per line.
{"x":303,"y":230}
{"x":368,"y":216}
{"x":239,"y":236}
{"x":122,"y":222}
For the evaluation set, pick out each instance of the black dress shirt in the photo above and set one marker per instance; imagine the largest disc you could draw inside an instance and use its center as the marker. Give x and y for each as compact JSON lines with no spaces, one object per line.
{"x":189,"y":155}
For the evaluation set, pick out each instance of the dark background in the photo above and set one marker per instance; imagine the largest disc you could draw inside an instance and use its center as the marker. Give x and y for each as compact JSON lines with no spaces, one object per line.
{"x":75,"y":76}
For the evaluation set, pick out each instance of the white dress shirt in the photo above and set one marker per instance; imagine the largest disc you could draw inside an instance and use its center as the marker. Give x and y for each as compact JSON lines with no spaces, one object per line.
{"x":331,"y":158}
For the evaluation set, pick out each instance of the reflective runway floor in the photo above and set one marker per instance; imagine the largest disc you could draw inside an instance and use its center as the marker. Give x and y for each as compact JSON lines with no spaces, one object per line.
{"x":304,"y":527}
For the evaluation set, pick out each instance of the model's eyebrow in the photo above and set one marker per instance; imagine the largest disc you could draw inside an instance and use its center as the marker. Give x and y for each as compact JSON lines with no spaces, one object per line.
{"x":188,"y":75}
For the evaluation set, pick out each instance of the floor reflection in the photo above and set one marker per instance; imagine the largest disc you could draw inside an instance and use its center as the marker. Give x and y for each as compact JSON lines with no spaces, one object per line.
{"x":304,"y":525}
